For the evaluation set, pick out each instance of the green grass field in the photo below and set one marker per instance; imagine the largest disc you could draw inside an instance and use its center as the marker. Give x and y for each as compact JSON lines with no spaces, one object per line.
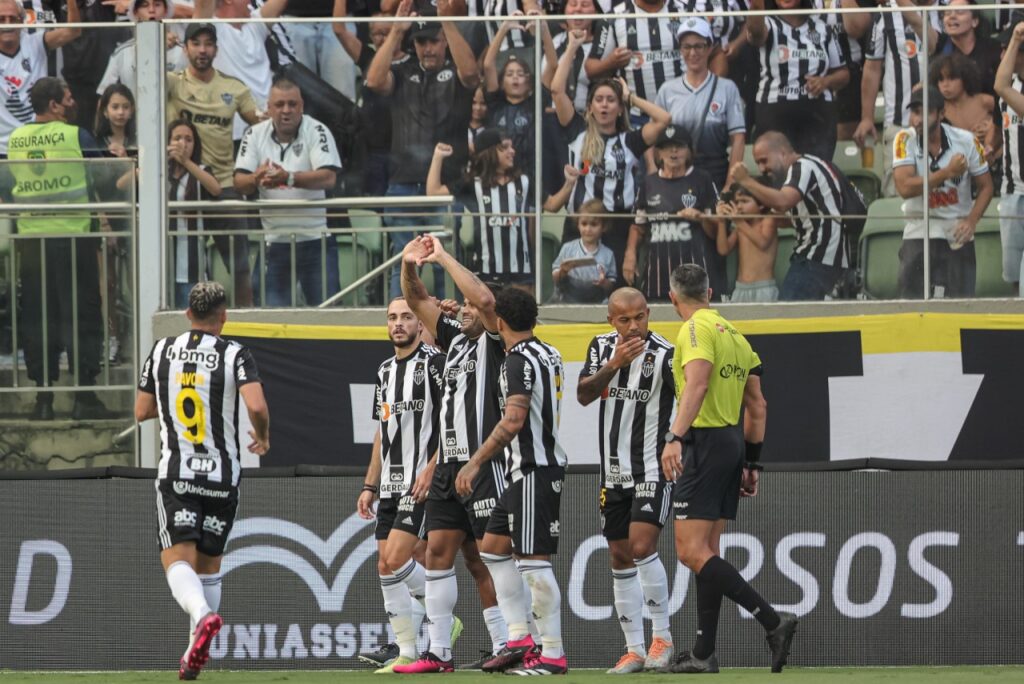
{"x":846,"y":675}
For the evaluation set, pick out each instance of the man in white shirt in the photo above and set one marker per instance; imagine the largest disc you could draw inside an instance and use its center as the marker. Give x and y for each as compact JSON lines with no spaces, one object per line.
{"x":121,"y":67}
{"x":293,"y":157}
{"x":955,"y":158}
{"x":23,"y":62}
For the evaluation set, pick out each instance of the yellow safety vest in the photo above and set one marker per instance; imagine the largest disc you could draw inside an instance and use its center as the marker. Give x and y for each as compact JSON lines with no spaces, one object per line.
{"x":49,"y":182}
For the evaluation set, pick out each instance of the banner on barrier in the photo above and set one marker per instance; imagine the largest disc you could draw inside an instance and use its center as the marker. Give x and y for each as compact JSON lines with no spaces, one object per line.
{"x":928,"y":387}
{"x":906,"y":568}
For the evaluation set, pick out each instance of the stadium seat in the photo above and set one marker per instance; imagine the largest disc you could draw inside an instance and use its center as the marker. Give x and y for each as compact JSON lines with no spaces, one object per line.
{"x":879,"y":248}
{"x":371,"y":236}
{"x":354,"y":261}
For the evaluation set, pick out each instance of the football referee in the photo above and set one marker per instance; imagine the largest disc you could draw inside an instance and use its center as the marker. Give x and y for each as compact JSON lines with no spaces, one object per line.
{"x":704,"y":453}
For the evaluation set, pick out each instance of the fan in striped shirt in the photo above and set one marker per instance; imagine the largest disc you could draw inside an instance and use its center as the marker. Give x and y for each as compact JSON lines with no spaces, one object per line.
{"x":801,"y":66}
{"x":526,"y":521}
{"x":499,"y":198}
{"x":1010,"y":87}
{"x":407,"y":398}
{"x":630,"y":370}
{"x":812,"y":192}
{"x":195,"y":384}
{"x":642,"y":50}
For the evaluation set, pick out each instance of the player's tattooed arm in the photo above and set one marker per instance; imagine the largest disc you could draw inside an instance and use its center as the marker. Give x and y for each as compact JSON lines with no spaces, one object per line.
{"x":591,"y":387}
{"x":517,"y":408}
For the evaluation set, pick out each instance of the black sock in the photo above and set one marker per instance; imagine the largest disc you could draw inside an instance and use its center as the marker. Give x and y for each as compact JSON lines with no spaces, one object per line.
{"x":709,"y":605}
{"x":727,"y":580}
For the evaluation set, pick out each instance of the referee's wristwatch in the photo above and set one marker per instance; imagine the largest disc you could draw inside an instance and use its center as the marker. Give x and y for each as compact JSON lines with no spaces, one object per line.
{"x":672,"y":437}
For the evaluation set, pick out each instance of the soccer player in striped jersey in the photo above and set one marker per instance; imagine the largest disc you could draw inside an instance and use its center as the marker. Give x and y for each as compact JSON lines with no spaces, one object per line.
{"x":812,"y":193}
{"x":407,"y":399}
{"x":192,"y":383}
{"x":526,"y":521}
{"x":1010,"y":88}
{"x":630,"y":371}
{"x":469,"y":411}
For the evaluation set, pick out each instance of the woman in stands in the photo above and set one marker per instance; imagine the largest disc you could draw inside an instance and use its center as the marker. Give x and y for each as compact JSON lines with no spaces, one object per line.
{"x":801,"y":68}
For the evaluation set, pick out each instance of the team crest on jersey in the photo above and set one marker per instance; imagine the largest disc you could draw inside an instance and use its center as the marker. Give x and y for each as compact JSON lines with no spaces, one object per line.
{"x":689,"y":200}
{"x":26,"y":65}
{"x":228,"y":98}
{"x":648,"y":368}
{"x":444,"y":76}
{"x":813,"y":36}
{"x":715,"y":107}
{"x":418,"y":374}
{"x":297,"y":149}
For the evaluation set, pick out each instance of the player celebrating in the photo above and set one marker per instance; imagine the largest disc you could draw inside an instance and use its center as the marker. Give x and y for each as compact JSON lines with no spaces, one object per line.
{"x":719,"y":373}
{"x":526,"y":520}
{"x":630,"y":370}
{"x":192,"y":383}
{"x":469,"y":409}
{"x":406,"y":404}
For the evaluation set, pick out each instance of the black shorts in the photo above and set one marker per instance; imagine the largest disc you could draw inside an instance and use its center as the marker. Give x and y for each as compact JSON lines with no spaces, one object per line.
{"x":646,"y":502}
{"x":187,"y":515}
{"x":403,"y":514}
{"x":446,"y":510}
{"x":709,"y":488}
{"x":848,"y":99}
{"x":528,"y":512}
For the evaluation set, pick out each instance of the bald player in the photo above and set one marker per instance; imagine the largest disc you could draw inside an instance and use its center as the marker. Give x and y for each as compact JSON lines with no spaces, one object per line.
{"x":630,"y":371}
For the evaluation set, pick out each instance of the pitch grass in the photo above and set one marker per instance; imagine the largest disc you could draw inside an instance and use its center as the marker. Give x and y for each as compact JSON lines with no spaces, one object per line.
{"x":860,"y":675}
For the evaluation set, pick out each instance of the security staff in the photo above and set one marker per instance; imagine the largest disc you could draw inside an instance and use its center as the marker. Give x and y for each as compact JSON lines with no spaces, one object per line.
{"x":47,"y":138}
{"x":719,"y":374}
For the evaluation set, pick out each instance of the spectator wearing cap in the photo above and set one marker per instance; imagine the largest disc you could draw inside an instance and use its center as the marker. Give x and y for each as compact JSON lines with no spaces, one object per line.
{"x":23,"y":62}
{"x":210,"y":100}
{"x":292,"y":156}
{"x":954,"y":161}
{"x":705,"y":105}
{"x":499,"y":197}
{"x":801,"y":69}
{"x":121,"y":67}
{"x":431,"y":97}
{"x":673,"y":219}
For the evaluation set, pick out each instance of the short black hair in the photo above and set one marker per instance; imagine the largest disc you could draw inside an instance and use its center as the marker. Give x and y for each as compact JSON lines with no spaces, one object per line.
{"x":206,"y":299}
{"x":690,"y":281}
{"x":45,"y":91}
{"x":517,"y":308}
{"x":283,"y":82}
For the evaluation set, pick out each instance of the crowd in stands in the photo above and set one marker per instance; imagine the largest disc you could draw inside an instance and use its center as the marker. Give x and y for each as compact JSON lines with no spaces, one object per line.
{"x":667,"y":138}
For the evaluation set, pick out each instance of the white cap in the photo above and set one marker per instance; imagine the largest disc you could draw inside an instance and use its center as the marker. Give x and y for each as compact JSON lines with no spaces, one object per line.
{"x":696,"y":25}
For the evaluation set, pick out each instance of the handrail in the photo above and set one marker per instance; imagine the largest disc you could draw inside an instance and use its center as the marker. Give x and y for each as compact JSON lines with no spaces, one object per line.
{"x":340,"y":202}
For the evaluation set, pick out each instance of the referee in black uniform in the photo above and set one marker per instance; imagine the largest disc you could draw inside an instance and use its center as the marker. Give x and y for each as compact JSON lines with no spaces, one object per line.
{"x":193,"y":383}
{"x":718,"y":374}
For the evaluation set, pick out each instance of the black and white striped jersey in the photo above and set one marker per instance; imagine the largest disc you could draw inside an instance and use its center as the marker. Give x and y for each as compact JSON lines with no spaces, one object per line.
{"x":819,"y":234}
{"x":656,"y":57}
{"x":893,"y":40}
{"x":500,"y":224}
{"x":470,"y":406}
{"x":1013,"y":152}
{"x":850,"y":49}
{"x":195,"y":378}
{"x":406,"y":402}
{"x":614,"y":179}
{"x":792,"y":53}
{"x":635,"y":411}
{"x":534,"y":368}
{"x":516,"y":38}
{"x":578,"y":85}
{"x":723,"y":29}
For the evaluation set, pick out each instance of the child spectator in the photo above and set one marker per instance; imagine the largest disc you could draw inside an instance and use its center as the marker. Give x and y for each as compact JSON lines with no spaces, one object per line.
{"x":967,"y":107}
{"x":500,"y":199}
{"x":188,"y":180}
{"x":584,"y":270}
{"x":757,"y":238}
{"x":477,"y":118}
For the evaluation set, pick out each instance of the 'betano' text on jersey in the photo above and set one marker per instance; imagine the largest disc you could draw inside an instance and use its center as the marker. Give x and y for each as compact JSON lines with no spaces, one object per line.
{"x":534,"y":369}
{"x":406,"y":403}
{"x":635,"y":412}
{"x":469,"y":406}
{"x":195,"y":377}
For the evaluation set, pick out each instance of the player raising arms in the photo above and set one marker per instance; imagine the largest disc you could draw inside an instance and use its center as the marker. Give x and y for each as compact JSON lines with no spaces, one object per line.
{"x":630,"y":370}
{"x":407,"y":399}
{"x":192,"y":383}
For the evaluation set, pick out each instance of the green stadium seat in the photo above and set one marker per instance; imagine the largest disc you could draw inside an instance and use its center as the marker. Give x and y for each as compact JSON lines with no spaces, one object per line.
{"x":372,"y":237}
{"x":879,"y":248}
{"x":354,"y":261}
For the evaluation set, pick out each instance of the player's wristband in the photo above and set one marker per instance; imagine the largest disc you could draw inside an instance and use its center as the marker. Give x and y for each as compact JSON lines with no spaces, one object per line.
{"x":371,"y":488}
{"x":752,"y":466}
{"x":753,"y":454}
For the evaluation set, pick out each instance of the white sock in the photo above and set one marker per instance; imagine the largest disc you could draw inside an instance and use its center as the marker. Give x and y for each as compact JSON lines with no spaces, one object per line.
{"x":495,"y":622}
{"x":654,"y":582}
{"x":442,"y":593}
{"x":531,"y":624}
{"x":414,"y":576}
{"x":211,"y":590}
{"x":398,"y":605}
{"x":419,"y":614}
{"x":187,"y":590}
{"x":629,"y":604}
{"x":546,"y":606}
{"x":508,"y":586}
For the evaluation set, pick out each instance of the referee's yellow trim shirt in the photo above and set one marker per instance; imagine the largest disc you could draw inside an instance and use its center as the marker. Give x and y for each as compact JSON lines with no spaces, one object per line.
{"x":710,"y":337}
